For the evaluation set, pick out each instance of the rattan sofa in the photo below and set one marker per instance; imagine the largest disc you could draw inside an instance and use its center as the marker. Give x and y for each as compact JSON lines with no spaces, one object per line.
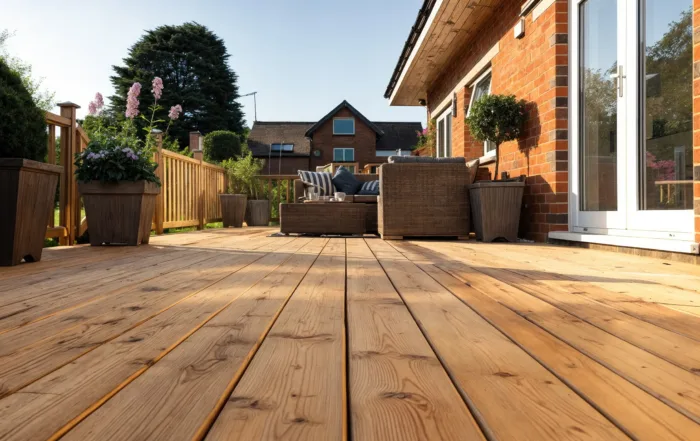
{"x":370,"y":201}
{"x":424,"y":199}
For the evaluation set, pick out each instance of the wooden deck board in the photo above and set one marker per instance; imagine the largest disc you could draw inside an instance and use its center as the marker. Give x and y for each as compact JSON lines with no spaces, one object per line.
{"x":232,"y":334}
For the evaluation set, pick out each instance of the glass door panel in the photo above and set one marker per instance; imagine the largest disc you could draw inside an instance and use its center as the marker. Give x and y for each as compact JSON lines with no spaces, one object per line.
{"x":600,"y":104}
{"x":666,"y":157}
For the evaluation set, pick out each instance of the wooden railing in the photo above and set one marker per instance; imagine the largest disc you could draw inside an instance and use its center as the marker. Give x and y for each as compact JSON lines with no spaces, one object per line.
{"x":189,"y":196}
{"x":73,"y":140}
{"x":277,"y":189}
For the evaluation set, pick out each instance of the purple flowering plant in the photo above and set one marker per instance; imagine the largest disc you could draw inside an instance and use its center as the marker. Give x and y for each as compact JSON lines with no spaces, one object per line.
{"x":115,"y":152}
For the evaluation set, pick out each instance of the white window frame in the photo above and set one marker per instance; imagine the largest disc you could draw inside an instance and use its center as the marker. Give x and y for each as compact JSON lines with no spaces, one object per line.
{"x":344,"y":148}
{"x":344,"y":119}
{"x":487,"y":153}
{"x":445,"y":117}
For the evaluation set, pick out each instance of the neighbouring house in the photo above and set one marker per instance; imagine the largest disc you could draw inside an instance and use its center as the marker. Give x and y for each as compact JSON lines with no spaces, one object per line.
{"x":613,"y":97}
{"x":342,"y":137}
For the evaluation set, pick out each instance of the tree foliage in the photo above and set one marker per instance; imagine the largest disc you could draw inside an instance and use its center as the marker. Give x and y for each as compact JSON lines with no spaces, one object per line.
{"x":221,"y":145}
{"x":497,"y":118}
{"x":22,"y":123}
{"x":193,"y":63}
{"x":42,"y":98}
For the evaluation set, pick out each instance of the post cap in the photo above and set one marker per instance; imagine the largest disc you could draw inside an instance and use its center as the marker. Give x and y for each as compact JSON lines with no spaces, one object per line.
{"x":68,"y":104}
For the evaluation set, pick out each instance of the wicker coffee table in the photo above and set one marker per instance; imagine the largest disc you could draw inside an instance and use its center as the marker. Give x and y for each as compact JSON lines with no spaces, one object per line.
{"x":323,"y":218}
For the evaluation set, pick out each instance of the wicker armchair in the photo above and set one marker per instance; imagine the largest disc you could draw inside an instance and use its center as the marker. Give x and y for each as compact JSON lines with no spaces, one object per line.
{"x":423,"y":199}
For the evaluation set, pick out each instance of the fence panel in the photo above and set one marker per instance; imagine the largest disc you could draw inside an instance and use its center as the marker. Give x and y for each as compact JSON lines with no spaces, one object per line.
{"x":277,"y":189}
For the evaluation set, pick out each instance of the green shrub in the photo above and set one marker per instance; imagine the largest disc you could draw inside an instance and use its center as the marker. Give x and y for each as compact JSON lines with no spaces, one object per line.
{"x":221,"y":145}
{"x":497,"y":118}
{"x":243,"y":175}
{"x":22,"y":123}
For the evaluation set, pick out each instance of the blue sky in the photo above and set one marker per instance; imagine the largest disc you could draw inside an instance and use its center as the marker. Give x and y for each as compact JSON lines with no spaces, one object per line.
{"x":302,"y":56}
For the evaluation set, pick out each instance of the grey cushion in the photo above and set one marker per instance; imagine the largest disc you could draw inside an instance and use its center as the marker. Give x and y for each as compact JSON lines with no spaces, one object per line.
{"x":346,"y":182}
{"x":369,"y":188}
{"x":322,"y":180}
{"x":425,"y":159}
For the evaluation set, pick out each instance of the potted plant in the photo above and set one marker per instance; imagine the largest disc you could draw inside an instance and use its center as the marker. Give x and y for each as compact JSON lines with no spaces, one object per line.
{"x":244,"y":200}
{"x":27,"y":186}
{"x":496,"y":204}
{"x":116,"y":175}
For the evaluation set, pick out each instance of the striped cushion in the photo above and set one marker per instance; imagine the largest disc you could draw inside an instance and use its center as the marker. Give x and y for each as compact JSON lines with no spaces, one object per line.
{"x":323,"y":181}
{"x":369,"y":188}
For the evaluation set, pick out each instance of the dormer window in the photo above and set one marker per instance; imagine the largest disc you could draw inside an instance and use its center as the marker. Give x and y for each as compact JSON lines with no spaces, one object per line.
{"x":282,"y":148}
{"x":343,"y":126}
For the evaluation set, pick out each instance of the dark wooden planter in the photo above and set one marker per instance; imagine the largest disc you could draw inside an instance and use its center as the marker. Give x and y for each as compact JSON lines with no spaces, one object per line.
{"x":233,"y":207}
{"x":496,"y":209}
{"x":119,"y":213}
{"x":258,"y":213}
{"x":27,"y":193}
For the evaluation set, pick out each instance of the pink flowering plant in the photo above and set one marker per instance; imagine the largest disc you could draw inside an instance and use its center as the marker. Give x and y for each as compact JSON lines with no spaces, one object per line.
{"x":115,"y":152}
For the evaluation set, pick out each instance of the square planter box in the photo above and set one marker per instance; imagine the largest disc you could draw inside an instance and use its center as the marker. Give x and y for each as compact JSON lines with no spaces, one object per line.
{"x":27,"y":193}
{"x":496,"y":209}
{"x":119,"y":213}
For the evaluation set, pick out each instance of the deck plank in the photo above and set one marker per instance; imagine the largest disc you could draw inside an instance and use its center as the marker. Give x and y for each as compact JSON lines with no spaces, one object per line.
{"x":510,"y":392}
{"x":67,"y":396}
{"x":179,"y":396}
{"x":138,"y":304}
{"x":399,"y":389}
{"x":675,"y":386}
{"x":294,"y":389}
{"x":640,"y":415}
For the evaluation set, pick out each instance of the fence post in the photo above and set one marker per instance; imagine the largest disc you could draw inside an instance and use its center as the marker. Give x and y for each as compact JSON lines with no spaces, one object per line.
{"x":198,"y":153}
{"x":159,"y":215}
{"x":70,"y":199}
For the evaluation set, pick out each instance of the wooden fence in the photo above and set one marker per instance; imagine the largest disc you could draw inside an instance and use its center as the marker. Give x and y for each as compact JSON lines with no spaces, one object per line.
{"x":72,"y":140}
{"x":189,"y":195}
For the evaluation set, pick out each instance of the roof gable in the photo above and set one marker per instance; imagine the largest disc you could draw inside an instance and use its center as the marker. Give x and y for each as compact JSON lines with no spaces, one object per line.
{"x":353,"y":110}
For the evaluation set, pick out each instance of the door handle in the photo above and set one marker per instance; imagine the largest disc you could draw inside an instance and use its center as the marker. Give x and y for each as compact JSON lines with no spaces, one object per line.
{"x":619,"y":76}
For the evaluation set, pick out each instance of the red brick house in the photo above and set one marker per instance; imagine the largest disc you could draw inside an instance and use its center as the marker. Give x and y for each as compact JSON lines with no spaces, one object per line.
{"x":611,"y":152}
{"x":343,"y":135}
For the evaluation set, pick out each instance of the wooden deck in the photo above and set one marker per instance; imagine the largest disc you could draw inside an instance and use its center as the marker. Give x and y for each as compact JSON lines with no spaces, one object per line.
{"x":233,"y":335}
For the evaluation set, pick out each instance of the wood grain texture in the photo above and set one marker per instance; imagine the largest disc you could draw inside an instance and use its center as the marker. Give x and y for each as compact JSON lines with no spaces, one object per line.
{"x":179,"y":396}
{"x":642,"y":416}
{"x":294,"y":389}
{"x":67,"y":396}
{"x":675,"y":386}
{"x":399,"y":389}
{"x":514,"y":396}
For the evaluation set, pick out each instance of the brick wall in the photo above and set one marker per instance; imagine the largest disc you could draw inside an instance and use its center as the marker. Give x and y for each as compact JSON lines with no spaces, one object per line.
{"x":696,"y":115}
{"x":535,"y":69}
{"x":364,"y":142}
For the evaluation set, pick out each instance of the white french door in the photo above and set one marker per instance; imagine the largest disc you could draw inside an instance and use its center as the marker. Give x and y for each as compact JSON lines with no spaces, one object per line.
{"x":444,"y":134}
{"x":631,"y":118}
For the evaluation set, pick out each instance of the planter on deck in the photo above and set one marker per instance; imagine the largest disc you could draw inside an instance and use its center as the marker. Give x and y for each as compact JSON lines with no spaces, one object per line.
{"x":496,"y":209}
{"x":119,"y":213}
{"x":27,"y":192}
{"x":233,"y":207}
{"x":258,"y":213}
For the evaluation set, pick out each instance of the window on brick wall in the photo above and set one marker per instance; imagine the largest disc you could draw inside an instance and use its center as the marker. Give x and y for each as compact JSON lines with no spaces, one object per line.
{"x":343,"y":126}
{"x":444,"y":134}
{"x":480,"y":88}
{"x":343,"y":154}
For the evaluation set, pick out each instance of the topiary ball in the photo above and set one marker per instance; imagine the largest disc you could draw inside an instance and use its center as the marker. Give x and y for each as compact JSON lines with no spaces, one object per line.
{"x":221,"y":145}
{"x":22,"y":123}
